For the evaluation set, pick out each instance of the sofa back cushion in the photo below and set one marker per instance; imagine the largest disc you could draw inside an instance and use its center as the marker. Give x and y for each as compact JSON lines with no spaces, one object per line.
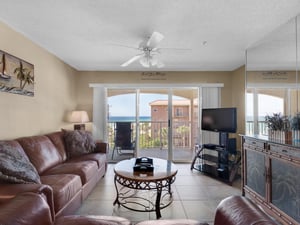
{"x":57,"y":139}
{"x":41,"y":152}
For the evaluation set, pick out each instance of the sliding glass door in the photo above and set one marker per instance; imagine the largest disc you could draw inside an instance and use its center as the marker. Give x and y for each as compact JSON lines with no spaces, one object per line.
{"x":153,"y":124}
{"x":163,"y":122}
{"x":160,"y":121}
{"x":185,"y":123}
{"x":122,"y":123}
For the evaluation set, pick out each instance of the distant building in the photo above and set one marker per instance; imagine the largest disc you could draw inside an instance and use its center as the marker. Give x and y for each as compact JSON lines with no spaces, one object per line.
{"x":159,"y":110}
{"x":181,"y":117}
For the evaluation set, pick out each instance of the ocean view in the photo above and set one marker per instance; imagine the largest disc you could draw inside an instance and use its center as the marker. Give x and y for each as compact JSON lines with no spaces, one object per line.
{"x":128,"y":118}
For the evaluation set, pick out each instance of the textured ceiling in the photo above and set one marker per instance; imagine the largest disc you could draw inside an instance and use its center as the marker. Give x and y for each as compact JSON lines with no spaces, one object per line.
{"x":88,"y":34}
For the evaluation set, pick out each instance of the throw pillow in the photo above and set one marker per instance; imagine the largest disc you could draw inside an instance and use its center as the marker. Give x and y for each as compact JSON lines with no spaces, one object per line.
{"x":78,"y":142}
{"x":15,"y":167}
{"x":88,"y":140}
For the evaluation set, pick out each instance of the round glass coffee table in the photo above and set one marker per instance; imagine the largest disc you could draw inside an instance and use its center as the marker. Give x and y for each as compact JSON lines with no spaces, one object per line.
{"x":144,"y":191}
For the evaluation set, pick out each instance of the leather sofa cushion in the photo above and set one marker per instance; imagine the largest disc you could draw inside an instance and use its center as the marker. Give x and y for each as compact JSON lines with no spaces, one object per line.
{"x":86,"y":170}
{"x":92,"y":220}
{"x":101,"y":147}
{"x":97,"y":157}
{"x":25,"y":209}
{"x":41,"y":152}
{"x":57,"y":139}
{"x":65,"y":187}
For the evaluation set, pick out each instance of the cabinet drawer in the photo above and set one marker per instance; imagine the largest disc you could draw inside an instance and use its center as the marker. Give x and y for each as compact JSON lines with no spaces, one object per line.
{"x":254,"y":144}
{"x":286,"y":151}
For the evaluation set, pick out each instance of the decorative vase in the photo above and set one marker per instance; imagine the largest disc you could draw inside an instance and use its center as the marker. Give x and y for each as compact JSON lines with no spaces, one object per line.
{"x":281,"y":136}
{"x":271,"y":134}
{"x":288,"y":137}
{"x":296,"y":135}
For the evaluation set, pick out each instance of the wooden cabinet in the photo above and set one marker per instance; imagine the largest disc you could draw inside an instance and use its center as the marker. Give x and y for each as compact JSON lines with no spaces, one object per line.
{"x":271,"y":177}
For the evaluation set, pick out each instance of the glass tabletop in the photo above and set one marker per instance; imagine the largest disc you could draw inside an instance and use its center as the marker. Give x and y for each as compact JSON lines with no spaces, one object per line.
{"x":163,"y":169}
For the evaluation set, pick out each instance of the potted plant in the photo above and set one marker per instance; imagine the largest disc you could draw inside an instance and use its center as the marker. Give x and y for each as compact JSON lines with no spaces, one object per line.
{"x":279,"y":127}
{"x":295,"y":127}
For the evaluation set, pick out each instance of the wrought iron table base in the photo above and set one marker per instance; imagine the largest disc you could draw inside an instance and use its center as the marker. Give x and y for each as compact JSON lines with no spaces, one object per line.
{"x":131,"y":194}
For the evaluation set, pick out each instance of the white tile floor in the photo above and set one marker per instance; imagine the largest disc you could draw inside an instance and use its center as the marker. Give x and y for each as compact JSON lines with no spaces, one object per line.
{"x":196,"y":196}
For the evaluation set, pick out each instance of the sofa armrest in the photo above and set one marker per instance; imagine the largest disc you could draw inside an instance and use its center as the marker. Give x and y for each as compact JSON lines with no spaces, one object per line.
{"x":9,"y":191}
{"x":101,"y":147}
{"x":171,"y":222}
{"x":240,"y":210}
{"x":25,"y":209}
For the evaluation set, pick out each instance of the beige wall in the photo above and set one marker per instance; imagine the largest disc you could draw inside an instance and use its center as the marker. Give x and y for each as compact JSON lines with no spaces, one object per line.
{"x":60,"y":88}
{"x":238,"y":100}
{"x":54,"y":90}
{"x":232,"y":93}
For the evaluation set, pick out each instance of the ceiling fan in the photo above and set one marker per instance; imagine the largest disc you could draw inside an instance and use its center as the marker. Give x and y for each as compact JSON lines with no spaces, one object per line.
{"x":149,"y":51}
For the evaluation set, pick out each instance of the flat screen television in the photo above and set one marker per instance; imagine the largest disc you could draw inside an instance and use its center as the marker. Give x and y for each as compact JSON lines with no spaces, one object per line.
{"x":219,"y":120}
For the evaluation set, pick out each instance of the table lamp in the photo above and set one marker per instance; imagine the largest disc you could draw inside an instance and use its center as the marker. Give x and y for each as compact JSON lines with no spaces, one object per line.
{"x":79,"y":117}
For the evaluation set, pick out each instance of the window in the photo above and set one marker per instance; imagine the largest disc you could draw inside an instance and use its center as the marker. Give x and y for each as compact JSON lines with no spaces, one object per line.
{"x":261,"y":102}
{"x":178,"y":112}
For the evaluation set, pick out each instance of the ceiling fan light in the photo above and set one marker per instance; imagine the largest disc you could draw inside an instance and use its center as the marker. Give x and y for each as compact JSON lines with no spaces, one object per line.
{"x":153,"y":61}
{"x":144,"y":62}
{"x":160,"y":64}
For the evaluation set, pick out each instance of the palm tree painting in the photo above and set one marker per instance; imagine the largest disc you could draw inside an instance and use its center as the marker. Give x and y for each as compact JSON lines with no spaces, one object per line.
{"x":24,"y":75}
{"x":16,"y":75}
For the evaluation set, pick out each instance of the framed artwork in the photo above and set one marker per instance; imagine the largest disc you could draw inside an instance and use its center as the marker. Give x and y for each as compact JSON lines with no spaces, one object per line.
{"x":16,"y":75}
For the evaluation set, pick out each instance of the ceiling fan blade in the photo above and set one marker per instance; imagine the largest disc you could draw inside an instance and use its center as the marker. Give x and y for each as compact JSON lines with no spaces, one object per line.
{"x":125,"y":46}
{"x":173,"y":49}
{"x":134,"y":58}
{"x":155,"y":38}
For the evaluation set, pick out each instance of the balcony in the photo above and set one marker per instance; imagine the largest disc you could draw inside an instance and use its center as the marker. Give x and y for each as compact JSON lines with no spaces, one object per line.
{"x":262,"y":128}
{"x":153,"y":140}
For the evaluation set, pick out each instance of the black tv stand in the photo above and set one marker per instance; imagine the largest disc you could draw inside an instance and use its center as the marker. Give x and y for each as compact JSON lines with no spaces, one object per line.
{"x":210,"y":146}
{"x":220,"y":161}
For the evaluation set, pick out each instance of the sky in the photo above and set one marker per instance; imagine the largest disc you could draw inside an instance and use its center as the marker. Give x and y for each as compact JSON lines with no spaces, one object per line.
{"x":267,"y":105}
{"x":124,"y":105}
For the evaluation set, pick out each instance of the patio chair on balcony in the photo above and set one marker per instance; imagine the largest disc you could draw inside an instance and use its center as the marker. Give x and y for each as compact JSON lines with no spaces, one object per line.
{"x":123,"y":141}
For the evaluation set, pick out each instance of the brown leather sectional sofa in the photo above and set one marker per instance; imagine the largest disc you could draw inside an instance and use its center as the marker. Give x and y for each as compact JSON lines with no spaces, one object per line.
{"x":65,"y":182}
{"x":31,"y":208}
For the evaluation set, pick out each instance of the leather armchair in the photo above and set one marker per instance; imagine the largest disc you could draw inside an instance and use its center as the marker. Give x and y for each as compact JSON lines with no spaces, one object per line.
{"x":238,"y":210}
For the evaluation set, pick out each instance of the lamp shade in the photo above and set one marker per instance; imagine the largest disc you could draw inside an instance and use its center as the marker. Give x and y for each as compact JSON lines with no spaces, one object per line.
{"x":79,"y":117}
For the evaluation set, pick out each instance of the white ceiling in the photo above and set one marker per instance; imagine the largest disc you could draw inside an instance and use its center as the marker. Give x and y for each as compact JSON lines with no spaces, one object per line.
{"x":86,"y":33}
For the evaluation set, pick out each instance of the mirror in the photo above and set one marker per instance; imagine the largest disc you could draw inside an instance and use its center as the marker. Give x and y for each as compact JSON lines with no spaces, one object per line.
{"x":272,"y":80}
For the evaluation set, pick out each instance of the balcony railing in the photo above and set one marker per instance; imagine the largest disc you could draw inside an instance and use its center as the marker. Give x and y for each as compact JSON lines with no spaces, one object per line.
{"x":262,"y":128}
{"x":154,"y":134}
